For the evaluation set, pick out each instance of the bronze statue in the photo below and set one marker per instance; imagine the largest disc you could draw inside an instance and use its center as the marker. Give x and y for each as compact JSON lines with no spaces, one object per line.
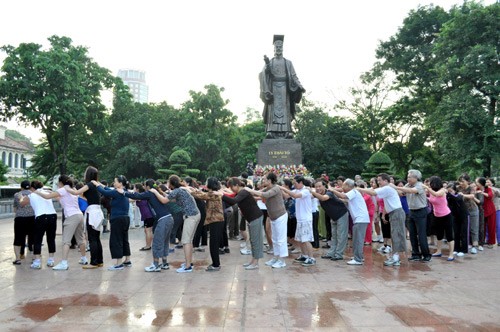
{"x":280,"y":90}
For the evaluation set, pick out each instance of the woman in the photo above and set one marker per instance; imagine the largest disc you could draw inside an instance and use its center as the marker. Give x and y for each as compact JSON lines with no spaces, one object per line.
{"x":192,"y":217}
{"x":376,"y":216}
{"x":119,"y":221}
{"x":161,"y":228}
{"x":45,"y":223}
{"x":73,"y":220}
{"x":496,"y":200}
{"x":214,"y":219}
{"x":146,"y":217}
{"x":371,"y":213}
{"x":489,"y":210}
{"x":468,"y":192}
{"x":252,"y":214}
{"x":24,"y":223}
{"x":456,"y":203}
{"x":93,"y":216}
{"x":442,"y":216}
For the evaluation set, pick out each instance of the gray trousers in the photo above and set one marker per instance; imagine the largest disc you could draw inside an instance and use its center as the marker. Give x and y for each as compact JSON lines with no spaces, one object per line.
{"x":161,"y":236}
{"x":397,"y":219}
{"x":339,"y":236}
{"x":474,"y":225}
{"x":358,"y":238}
{"x":255,"y":230}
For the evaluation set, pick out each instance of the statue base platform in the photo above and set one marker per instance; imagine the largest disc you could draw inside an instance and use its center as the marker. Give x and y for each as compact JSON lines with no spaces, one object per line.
{"x":279,"y":151}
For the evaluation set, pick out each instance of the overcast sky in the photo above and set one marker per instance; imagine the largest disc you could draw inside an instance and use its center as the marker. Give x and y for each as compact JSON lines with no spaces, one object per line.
{"x":184,"y":45}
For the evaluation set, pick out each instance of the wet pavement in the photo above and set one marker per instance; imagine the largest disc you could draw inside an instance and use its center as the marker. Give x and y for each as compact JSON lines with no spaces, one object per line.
{"x":463,"y":295}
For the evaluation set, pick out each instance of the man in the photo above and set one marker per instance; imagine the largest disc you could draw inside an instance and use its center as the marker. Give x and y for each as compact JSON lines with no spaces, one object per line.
{"x":417,"y":203}
{"x":303,"y":213}
{"x":337,"y":211}
{"x":279,"y":217}
{"x":396,"y":214}
{"x":280,"y":90}
{"x":360,"y":217}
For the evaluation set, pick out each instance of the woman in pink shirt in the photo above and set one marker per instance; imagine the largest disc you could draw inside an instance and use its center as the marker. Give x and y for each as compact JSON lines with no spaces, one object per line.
{"x":371,"y":212}
{"x":442,"y":216}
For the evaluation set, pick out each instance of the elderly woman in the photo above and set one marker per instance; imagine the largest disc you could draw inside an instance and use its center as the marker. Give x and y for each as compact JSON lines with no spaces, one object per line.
{"x":24,"y":222}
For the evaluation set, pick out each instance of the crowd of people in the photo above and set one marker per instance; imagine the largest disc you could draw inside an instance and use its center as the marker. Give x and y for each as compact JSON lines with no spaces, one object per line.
{"x":269,"y":215}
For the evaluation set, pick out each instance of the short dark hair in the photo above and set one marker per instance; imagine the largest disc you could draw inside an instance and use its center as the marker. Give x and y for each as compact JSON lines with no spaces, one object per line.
{"x":213,"y":183}
{"x":139,"y":187}
{"x":482,"y":181}
{"x":66,"y":180}
{"x":35,"y":184}
{"x":299,"y":179}
{"x":288,"y":183}
{"x":384,"y":176}
{"x":234,"y":182}
{"x":272,"y":177}
{"x":307,"y":182}
{"x":244,"y":175}
{"x":435,"y":183}
{"x":174,"y":181}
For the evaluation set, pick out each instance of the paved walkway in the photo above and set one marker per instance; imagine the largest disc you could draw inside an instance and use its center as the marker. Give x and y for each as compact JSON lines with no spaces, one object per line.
{"x":438,"y":296}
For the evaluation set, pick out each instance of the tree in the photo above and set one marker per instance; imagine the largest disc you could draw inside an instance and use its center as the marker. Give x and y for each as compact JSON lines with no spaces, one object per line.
{"x":179,"y":161}
{"x":331,"y":145}
{"x":378,"y":163}
{"x":56,"y":90}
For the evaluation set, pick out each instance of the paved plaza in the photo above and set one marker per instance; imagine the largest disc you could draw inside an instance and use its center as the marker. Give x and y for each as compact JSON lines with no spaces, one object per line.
{"x":463,"y":295}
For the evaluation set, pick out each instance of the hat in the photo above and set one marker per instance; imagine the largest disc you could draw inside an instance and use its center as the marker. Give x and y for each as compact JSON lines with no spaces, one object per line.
{"x":278,"y":37}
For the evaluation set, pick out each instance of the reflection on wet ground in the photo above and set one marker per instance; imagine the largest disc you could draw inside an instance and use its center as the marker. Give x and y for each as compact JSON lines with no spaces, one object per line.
{"x":457,"y":296}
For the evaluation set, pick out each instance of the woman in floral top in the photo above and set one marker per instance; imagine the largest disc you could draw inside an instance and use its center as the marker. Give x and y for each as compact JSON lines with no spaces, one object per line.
{"x":24,"y":223}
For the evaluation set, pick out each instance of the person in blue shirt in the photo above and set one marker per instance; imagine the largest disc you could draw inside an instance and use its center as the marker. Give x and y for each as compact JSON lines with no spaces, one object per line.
{"x":119,"y":220}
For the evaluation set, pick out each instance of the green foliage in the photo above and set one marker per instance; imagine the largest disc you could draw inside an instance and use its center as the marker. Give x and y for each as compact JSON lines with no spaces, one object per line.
{"x":180,"y":160}
{"x":331,"y":145}
{"x":56,"y":90}
{"x":378,"y":163}
{"x":180,"y":157}
{"x":17,"y":136}
{"x":4,"y":169}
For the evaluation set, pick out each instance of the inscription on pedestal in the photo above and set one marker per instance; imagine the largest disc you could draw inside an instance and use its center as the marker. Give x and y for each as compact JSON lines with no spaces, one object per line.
{"x":279,"y":152}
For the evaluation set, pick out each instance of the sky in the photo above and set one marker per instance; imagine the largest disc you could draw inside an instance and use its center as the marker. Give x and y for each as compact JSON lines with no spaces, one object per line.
{"x":185,"y":45}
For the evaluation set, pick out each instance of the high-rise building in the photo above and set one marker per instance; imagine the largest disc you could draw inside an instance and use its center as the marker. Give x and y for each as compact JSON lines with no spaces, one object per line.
{"x":136,"y":81}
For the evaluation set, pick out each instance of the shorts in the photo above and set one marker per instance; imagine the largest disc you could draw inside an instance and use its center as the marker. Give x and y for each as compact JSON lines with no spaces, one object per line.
{"x":304,"y":232}
{"x":148,"y":223}
{"x":189,"y":228}
{"x":73,"y":225}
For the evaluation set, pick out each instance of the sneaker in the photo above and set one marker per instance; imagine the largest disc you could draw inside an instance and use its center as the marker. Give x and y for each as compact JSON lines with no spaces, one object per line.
{"x":183,"y":265}
{"x":153,"y":268}
{"x":199,"y":249}
{"x":116,"y":267}
{"x":212,"y":268}
{"x":455,"y":252}
{"x":178,"y":246}
{"x":480,"y":248}
{"x":326,"y":257}
{"x":60,"y":267}
{"x":354,"y":262}
{"x":221,"y":251}
{"x":83,"y":261}
{"x":227,"y":250}
{"x":271,"y":262}
{"x":392,"y":262}
{"x":252,"y":267}
{"x":243,"y":245}
{"x":460,"y":254}
{"x":473,"y":250}
{"x":171,"y":250}
{"x":185,"y":269}
{"x":50,"y":263}
{"x":309,"y":262}
{"x":426,"y":259}
{"x":295,"y":251}
{"x":36,"y":265}
{"x":127,"y":264}
{"x":299,"y":260}
{"x":165,"y":266}
{"x":337,"y":258}
{"x":326,"y":246}
{"x":90,"y":266}
{"x":279,"y":264}
{"x":381,"y":249}
{"x":245,"y":251}
{"x":387,"y":250}
{"x":270,"y":251}
{"x":414,"y":258}
{"x":380,"y":239}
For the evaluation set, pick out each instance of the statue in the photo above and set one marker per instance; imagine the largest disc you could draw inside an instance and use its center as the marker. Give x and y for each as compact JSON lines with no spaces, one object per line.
{"x":280,"y":90}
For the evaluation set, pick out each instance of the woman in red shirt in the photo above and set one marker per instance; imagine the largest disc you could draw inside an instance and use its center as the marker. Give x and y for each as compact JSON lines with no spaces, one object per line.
{"x":489,"y":210}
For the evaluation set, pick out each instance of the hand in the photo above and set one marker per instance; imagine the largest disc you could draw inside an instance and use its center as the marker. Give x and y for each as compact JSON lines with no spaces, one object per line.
{"x":269,"y":96}
{"x":302,"y":89}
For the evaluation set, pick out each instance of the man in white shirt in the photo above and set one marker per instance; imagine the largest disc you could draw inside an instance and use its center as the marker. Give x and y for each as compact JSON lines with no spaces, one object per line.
{"x":303,"y":213}
{"x":396,"y":214}
{"x":360,"y":217}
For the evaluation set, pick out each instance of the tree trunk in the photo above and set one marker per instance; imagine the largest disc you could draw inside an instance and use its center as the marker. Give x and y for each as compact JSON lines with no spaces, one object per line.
{"x":64,"y":158}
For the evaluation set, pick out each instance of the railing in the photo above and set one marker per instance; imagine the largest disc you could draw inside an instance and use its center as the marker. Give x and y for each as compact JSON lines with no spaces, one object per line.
{"x":7,"y":208}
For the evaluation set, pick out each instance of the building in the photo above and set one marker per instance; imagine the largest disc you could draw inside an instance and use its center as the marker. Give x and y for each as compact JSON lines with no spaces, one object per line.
{"x":16,"y":154}
{"x":136,"y":81}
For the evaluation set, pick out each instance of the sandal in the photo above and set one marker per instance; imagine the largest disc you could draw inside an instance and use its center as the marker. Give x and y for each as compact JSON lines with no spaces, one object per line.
{"x":145,"y":248}
{"x":17,"y":262}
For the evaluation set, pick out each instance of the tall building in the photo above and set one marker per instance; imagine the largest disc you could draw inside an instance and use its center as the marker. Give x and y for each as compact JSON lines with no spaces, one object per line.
{"x":16,"y":154}
{"x":136,"y":81}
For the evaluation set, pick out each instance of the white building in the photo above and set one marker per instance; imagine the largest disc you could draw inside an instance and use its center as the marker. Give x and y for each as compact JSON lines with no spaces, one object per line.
{"x":15,"y":154}
{"x":136,"y":81}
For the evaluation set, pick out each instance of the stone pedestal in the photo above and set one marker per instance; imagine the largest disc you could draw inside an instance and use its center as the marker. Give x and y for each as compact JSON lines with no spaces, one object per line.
{"x":279,"y":152}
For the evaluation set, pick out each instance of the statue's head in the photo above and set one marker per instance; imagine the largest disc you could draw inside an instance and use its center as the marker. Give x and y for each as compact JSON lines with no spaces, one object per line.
{"x":278,"y":44}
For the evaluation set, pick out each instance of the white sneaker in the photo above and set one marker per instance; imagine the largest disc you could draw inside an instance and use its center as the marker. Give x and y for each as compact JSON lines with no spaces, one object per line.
{"x":354,"y":262}
{"x":473,"y":250}
{"x":381,"y":249}
{"x":279,"y":264}
{"x":50,"y":262}
{"x":246,"y":251}
{"x":271,"y":261}
{"x":387,"y":249}
{"x":60,"y":267}
{"x":243,"y":245}
{"x":460,"y":254}
{"x":83,"y":261}
{"x":153,"y":268}
{"x":36,"y":265}
{"x":270,"y":251}
{"x":455,"y":252}
{"x":480,"y":248}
